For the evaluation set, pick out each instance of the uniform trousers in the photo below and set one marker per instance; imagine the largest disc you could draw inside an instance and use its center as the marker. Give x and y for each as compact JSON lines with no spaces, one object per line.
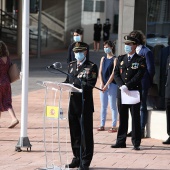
{"x":123,"y":123}
{"x":167,"y":105}
{"x":75,"y":133}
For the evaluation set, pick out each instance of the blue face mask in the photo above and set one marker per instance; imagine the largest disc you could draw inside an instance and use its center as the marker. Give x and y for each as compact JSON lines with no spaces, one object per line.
{"x":128,"y":49}
{"x":107,"y":50}
{"x":79,"y":56}
{"x":77,"y":38}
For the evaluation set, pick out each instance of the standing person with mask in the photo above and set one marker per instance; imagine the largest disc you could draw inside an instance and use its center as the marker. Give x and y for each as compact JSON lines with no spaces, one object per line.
{"x":108,"y":85}
{"x":106,"y":30}
{"x":147,"y":79}
{"x":77,"y":37}
{"x":83,"y":74}
{"x":128,"y":74}
{"x":97,"y":35}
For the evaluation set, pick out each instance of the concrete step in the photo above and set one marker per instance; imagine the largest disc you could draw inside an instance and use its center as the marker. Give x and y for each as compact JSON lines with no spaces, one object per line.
{"x":156,"y":127}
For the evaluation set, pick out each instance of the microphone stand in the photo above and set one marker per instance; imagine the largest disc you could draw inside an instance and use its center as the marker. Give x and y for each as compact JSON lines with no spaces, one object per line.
{"x":74,"y":77}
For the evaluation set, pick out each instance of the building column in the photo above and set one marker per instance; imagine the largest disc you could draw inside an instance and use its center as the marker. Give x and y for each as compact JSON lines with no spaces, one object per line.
{"x":126,"y":21}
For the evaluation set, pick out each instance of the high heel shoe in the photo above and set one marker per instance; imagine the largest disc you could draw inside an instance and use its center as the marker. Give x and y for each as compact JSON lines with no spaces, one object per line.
{"x":13,"y":123}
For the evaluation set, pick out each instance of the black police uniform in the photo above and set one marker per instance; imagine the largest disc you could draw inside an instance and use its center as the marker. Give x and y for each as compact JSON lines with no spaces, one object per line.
{"x":167,"y":97}
{"x":129,"y":74}
{"x":106,"y":31}
{"x":97,"y":32}
{"x":87,"y":73}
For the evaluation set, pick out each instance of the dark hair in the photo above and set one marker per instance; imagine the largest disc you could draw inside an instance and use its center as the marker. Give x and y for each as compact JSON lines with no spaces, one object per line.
{"x":3,"y":49}
{"x":110,"y":44}
{"x":169,"y":39}
{"x":138,"y":35}
{"x":79,"y":31}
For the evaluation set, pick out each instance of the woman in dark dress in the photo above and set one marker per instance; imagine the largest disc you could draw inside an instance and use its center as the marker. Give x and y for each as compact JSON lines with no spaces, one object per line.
{"x":97,"y":35}
{"x":5,"y":86}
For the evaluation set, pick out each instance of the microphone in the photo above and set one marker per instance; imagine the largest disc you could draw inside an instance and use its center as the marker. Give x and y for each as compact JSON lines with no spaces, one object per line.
{"x":55,"y":65}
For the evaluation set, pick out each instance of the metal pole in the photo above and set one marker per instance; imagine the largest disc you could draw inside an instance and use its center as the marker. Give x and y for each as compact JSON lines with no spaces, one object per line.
{"x":23,"y":140}
{"x":39,"y":29}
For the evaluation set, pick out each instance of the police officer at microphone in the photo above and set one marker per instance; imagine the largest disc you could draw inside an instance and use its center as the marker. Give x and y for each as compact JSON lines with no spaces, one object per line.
{"x":128,"y":74}
{"x":82,"y":74}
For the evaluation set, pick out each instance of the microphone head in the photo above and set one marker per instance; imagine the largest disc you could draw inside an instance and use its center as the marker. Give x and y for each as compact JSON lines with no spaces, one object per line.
{"x":55,"y":65}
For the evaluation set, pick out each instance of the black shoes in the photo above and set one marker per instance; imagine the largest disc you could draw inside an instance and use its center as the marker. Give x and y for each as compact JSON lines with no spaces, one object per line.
{"x":84,"y":168}
{"x":118,"y":146}
{"x":167,"y":141}
{"x":74,"y":164}
{"x":137,"y":148}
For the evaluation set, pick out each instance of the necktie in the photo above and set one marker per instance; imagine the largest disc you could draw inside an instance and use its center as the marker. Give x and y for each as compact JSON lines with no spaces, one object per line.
{"x":129,"y":58}
{"x":78,"y":65}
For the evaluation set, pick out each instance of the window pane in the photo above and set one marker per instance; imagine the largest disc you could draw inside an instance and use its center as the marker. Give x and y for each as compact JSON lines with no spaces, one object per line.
{"x":99,"y":6}
{"x":88,"y":5}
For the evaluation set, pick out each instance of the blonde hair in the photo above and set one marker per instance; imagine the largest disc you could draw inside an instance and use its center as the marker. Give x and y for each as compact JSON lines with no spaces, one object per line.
{"x":3,"y":49}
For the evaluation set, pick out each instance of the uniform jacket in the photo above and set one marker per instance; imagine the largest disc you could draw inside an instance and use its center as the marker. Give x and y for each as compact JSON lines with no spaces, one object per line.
{"x":167,"y":86}
{"x":71,"y":56}
{"x":87,"y":73}
{"x":129,"y":73}
{"x":106,"y":31}
{"x":165,"y":52}
{"x":147,"y":79}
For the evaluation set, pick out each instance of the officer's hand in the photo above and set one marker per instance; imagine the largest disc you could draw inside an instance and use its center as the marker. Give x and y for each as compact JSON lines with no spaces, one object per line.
{"x":124,"y":89}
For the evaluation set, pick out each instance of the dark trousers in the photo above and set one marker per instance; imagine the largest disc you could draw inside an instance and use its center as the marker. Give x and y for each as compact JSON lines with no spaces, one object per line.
{"x":167,"y":105}
{"x":143,"y":110}
{"x":123,"y":123}
{"x":76,"y":134}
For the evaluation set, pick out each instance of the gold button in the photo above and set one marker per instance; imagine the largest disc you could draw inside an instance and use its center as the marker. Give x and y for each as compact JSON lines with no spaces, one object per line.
{"x":126,"y":73}
{"x":127,"y":69}
{"x":126,"y":78}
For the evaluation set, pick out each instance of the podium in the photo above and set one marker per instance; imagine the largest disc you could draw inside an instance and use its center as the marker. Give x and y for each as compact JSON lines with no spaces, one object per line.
{"x":56,"y":103}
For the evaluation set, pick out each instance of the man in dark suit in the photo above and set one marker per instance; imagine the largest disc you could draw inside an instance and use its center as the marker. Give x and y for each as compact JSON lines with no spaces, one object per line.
{"x":167,"y":96}
{"x":165,"y":52}
{"x":82,"y":74}
{"x":128,"y":74}
{"x":77,"y":37}
{"x":147,"y":79}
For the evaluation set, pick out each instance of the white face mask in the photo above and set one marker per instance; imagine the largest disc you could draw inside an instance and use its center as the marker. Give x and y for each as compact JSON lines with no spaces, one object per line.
{"x":77,"y":38}
{"x":79,"y":56}
{"x":138,"y":48}
{"x":128,"y":49}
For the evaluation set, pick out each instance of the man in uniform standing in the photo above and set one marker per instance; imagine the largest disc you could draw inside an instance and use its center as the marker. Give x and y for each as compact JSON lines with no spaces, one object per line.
{"x":128,"y":74}
{"x":167,"y":101}
{"x":106,"y":30}
{"x":82,"y":74}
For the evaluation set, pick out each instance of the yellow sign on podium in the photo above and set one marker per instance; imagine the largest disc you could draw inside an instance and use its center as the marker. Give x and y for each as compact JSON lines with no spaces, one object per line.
{"x":52,"y":111}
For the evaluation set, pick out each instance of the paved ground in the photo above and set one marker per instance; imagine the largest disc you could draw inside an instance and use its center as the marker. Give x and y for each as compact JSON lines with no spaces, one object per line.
{"x":153,"y":155}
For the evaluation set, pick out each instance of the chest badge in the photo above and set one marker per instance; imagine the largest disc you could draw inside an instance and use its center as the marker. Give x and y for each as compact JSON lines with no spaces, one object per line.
{"x":135,"y":65}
